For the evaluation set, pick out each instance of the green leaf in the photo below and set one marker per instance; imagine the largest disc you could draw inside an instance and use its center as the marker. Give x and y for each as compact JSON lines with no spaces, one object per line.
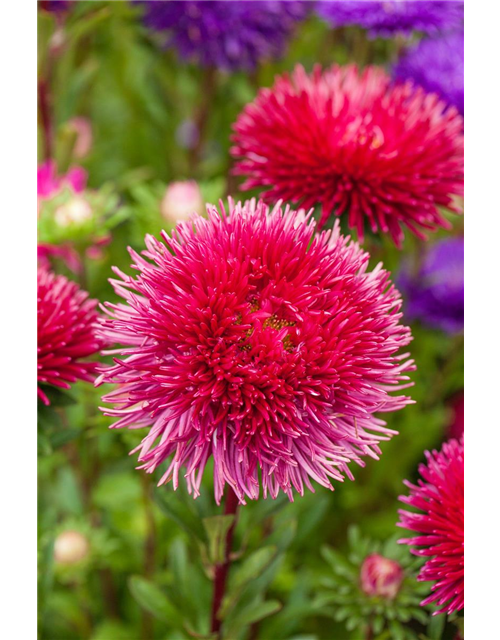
{"x":112,"y":629}
{"x":249,"y":570}
{"x":337,"y":562}
{"x":44,"y":446}
{"x":436,"y":626}
{"x":64,"y":436}
{"x":217,"y":528}
{"x":284,"y":535}
{"x":151,"y":598}
{"x":181,"y":514}
{"x":253,"y":566}
{"x":249,"y":615}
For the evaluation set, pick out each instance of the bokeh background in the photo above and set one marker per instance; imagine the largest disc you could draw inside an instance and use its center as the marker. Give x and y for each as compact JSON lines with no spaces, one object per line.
{"x":119,"y":100}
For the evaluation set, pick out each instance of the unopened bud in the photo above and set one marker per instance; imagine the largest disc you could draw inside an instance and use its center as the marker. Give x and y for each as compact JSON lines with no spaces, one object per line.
{"x":70,"y":547}
{"x":181,"y":200}
{"x":76,"y":211}
{"x":381,"y":576}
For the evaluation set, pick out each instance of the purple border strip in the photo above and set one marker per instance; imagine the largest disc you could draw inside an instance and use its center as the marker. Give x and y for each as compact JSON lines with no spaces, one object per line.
{"x":482,"y":317}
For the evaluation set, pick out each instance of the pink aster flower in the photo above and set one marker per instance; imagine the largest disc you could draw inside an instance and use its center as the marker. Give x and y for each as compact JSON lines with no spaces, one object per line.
{"x":353,"y":142}
{"x":439,"y":497}
{"x":247,"y":338}
{"x":66,"y":332}
{"x":50,"y":184}
{"x":381,"y":576}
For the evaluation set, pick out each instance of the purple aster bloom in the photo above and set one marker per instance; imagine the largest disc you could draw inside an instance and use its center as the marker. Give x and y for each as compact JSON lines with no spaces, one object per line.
{"x":227,"y":35}
{"x":397,"y":16}
{"x":437,"y":65}
{"x":434,"y":293}
{"x":53,"y":6}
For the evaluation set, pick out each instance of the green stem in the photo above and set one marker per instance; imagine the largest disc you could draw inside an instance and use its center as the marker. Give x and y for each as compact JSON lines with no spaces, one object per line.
{"x":208,"y":91}
{"x":149,"y":550}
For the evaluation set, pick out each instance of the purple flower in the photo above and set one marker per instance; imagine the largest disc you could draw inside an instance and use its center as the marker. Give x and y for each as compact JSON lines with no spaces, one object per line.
{"x":53,"y":6}
{"x":400,"y":16}
{"x":228,"y":35}
{"x":437,"y":65}
{"x":434,"y":293}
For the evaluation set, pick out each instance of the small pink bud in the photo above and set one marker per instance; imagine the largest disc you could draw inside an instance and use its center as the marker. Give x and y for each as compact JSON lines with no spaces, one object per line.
{"x":83,"y":130}
{"x":381,"y":576}
{"x":70,"y":547}
{"x":181,"y":200}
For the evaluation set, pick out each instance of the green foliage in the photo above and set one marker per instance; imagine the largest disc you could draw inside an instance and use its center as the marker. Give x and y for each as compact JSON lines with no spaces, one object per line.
{"x":152,"y":551}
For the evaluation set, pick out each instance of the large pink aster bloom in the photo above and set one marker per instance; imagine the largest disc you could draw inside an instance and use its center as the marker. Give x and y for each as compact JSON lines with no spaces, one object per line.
{"x":66,"y":332}
{"x":247,"y":338}
{"x":439,"y":522}
{"x":351,"y":141}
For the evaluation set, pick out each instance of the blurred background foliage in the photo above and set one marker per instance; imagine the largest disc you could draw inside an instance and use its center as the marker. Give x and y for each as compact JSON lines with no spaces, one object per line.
{"x":136,"y":570}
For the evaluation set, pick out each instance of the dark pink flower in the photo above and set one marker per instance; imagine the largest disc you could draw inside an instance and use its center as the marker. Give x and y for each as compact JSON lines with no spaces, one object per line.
{"x":66,"y":332}
{"x":356,"y":144}
{"x":247,"y":338}
{"x":439,"y":522}
{"x":50,"y":184}
{"x":381,"y":576}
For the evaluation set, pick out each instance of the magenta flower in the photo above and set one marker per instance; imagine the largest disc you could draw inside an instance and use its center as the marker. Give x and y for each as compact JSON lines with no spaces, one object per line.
{"x":439,"y":497}
{"x":66,"y":332}
{"x":381,"y":576}
{"x":384,"y":156}
{"x":247,"y":338}
{"x":50,"y":184}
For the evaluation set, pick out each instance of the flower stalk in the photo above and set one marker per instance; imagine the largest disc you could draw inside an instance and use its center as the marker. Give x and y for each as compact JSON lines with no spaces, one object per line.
{"x":221,"y":571}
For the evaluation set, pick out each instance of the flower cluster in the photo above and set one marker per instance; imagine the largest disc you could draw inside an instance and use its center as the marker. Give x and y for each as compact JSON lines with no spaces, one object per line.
{"x":226,"y":35}
{"x":250,"y":339}
{"x":439,"y":523}
{"x":66,"y":320}
{"x":437,"y":65}
{"x":390,"y":155}
{"x":391,"y":17}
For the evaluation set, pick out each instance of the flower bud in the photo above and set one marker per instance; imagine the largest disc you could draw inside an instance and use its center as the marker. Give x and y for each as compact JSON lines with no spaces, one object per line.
{"x":70,"y":547}
{"x":381,"y":576}
{"x":83,"y":129}
{"x":181,"y":199}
